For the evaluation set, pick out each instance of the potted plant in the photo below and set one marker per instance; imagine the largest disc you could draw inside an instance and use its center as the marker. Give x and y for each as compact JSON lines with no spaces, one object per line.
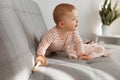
{"x":108,"y":15}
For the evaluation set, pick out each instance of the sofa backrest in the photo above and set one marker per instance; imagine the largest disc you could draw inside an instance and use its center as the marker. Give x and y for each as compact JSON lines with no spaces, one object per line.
{"x":21,"y":26}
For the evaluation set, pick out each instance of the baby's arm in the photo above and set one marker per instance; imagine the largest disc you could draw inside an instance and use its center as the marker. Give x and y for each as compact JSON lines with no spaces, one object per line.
{"x":79,"y":47}
{"x":47,"y":39}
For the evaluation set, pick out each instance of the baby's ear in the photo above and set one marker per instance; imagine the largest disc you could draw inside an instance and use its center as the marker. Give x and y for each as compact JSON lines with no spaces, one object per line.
{"x":61,"y":24}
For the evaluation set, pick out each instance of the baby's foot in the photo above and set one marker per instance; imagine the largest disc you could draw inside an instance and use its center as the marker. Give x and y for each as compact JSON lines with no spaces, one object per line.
{"x":72,"y":56}
{"x":108,"y":52}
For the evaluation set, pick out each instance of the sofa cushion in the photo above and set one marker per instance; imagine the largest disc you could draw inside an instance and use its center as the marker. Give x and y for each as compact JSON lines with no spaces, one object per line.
{"x":63,"y":70}
{"x":21,"y":26}
{"x":106,"y":65}
{"x":13,"y":45}
{"x":59,"y":67}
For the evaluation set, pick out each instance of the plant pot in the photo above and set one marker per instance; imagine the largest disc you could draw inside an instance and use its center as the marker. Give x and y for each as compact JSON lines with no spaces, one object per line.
{"x":105,"y":29}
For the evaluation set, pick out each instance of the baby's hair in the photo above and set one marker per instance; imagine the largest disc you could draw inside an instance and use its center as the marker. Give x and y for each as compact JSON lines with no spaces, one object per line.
{"x":60,"y":10}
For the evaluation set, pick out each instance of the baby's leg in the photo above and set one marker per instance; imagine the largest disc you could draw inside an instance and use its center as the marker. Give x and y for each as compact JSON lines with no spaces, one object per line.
{"x":71,"y":53}
{"x":108,"y":52}
{"x":101,"y":51}
{"x":95,"y":55}
{"x":98,"y":49}
{"x":95,"y":50}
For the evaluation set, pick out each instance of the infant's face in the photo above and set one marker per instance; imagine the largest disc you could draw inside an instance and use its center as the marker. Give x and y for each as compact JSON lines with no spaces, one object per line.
{"x":70,"y":20}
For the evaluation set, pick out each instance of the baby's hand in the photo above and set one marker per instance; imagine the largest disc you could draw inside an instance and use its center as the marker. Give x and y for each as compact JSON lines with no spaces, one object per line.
{"x":42,"y":60}
{"x":83,"y":56}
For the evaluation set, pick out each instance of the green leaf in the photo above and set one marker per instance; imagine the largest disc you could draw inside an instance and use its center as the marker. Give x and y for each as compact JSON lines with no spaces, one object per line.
{"x":109,"y":6}
{"x":105,"y":3}
{"x":115,"y":5}
{"x":107,"y":14}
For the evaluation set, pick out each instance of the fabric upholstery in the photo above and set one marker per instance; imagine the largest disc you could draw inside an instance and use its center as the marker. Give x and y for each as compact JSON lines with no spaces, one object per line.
{"x":61,"y":68}
{"x":21,"y":27}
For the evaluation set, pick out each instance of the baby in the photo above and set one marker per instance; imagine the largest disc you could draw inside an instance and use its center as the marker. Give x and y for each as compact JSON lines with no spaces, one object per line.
{"x":64,"y":36}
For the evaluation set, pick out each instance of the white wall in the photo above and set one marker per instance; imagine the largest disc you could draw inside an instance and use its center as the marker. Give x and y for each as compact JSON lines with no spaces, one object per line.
{"x":89,"y":21}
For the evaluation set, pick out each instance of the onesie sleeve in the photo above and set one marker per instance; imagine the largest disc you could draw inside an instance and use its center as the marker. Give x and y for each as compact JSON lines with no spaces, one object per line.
{"x":47,"y":39}
{"x":79,"y":46}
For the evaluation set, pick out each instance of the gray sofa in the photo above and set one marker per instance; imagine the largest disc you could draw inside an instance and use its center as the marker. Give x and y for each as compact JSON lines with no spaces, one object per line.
{"x":21,"y":27}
